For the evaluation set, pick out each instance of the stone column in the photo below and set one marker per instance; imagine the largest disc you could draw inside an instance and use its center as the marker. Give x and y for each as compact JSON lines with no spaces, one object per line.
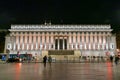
{"x":74,"y":40}
{"x":87,"y":38}
{"x":83,"y":40}
{"x":32,"y":46}
{"x":39,"y":40}
{"x":104,"y":38}
{"x":30,"y":38}
{"x":25,"y":41}
{"x":72,"y":46}
{"x":58,"y":43}
{"x":27,"y":46}
{"x":63,"y":43}
{"x":69,"y":40}
{"x":54,"y":43}
{"x":36,"y":45}
{"x":89,"y":46}
{"x":18,"y":46}
{"x":78,"y":38}
{"x":52,"y":40}
{"x":23,"y":46}
{"x":14,"y":46}
{"x":34,"y":40}
{"x":67,"y":43}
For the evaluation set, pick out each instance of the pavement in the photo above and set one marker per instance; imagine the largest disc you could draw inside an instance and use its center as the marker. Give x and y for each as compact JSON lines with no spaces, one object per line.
{"x":59,"y":71}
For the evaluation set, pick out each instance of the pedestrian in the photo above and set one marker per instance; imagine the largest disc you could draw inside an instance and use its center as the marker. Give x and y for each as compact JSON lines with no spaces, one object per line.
{"x":116,"y":59}
{"x":111,"y":58}
{"x":45,"y":60}
{"x":50,"y":60}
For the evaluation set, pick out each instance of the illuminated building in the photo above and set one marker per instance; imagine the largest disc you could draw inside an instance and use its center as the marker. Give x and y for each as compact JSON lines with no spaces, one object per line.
{"x":82,"y":40}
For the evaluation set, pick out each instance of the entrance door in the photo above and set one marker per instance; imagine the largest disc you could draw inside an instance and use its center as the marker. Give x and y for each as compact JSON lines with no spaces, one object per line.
{"x":61,"y":44}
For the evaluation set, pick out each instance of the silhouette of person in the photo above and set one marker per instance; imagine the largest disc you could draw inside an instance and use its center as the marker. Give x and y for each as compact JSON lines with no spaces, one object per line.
{"x":45,"y":60}
{"x":111,"y":58}
{"x":50,"y":60}
{"x":116,"y":59}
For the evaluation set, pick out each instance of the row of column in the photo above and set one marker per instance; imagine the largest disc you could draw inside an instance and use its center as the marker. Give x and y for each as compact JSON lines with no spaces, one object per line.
{"x":73,"y":38}
{"x":37,"y":39}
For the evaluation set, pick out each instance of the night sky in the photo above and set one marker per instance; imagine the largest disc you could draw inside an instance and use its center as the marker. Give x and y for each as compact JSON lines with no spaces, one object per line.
{"x":59,"y":11}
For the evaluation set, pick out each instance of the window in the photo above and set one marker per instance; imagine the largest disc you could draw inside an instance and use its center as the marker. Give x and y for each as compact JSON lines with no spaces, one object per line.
{"x":8,"y":46}
{"x":112,"y":46}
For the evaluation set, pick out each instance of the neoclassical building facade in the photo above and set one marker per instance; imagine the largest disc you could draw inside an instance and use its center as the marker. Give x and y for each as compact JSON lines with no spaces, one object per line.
{"x":87,"y":40}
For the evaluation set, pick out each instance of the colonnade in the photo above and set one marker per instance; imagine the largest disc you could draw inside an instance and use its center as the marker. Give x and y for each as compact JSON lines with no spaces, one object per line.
{"x":68,"y":40}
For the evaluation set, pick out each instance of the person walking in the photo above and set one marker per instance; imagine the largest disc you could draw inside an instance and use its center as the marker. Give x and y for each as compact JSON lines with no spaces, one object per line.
{"x":45,"y":60}
{"x":111,"y":58}
{"x":50,"y":60}
{"x":116,"y":59}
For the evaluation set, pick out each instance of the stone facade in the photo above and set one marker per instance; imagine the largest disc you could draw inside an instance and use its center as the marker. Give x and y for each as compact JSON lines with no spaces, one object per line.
{"x":89,"y":40}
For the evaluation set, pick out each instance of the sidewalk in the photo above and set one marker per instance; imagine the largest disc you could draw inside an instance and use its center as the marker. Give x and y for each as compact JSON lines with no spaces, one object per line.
{"x":60,"y":71}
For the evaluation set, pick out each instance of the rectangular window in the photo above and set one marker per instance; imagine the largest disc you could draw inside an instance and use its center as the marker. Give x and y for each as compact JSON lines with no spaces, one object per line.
{"x":112,"y":46}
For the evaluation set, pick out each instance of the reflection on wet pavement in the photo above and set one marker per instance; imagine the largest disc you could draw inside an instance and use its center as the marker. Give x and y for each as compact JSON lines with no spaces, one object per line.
{"x":59,"y":71}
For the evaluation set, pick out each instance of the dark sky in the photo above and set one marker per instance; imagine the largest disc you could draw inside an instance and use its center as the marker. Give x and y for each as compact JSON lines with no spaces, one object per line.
{"x":59,"y":11}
